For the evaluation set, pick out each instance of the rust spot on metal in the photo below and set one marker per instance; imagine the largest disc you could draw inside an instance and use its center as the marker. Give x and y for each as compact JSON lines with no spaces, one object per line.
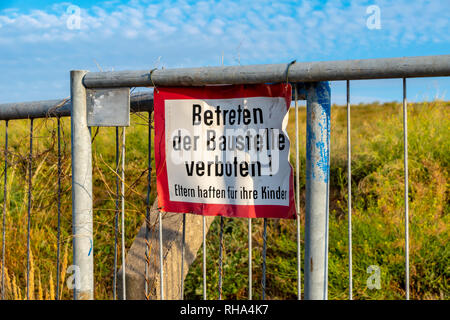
{"x":311,"y":265}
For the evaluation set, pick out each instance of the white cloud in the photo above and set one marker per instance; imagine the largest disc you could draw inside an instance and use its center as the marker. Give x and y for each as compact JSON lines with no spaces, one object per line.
{"x":316,"y":26}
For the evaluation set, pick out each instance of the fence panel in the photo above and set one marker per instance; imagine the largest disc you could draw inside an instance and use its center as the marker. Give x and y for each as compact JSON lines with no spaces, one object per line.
{"x":304,"y":76}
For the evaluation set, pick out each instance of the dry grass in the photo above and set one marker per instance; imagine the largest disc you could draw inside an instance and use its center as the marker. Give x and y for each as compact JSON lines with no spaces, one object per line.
{"x":378,"y":202}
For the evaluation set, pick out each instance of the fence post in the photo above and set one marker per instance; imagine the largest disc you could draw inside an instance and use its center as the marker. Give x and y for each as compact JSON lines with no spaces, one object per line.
{"x":317,"y":190}
{"x":82,"y":221}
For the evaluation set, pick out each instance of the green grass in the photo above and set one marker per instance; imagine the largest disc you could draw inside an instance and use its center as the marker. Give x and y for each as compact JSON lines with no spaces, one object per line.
{"x":378,"y":224}
{"x":377,"y":187}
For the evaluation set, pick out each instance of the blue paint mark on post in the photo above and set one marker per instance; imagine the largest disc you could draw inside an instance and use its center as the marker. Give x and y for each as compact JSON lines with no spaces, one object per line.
{"x":317,"y":189}
{"x":318,"y":131}
{"x":90,"y":249}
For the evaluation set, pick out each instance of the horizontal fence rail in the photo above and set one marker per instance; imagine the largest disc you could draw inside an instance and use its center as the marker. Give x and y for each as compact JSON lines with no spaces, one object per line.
{"x":308,"y":80}
{"x":140,"y":102}
{"x":429,"y":66}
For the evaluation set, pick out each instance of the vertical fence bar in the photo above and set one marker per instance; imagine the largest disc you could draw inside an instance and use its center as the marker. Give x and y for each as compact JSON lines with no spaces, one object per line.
{"x":116,"y":216}
{"x":317,"y":180}
{"x":30,"y":161}
{"x":349,"y":200}
{"x":204,"y":258}
{"x":297,"y":192}
{"x":220,"y":257}
{"x":250,"y":289}
{"x":58,"y":249}
{"x":147,"y":217}
{"x":82,"y":220}
{"x":161,"y":258}
{"x":4,"y":211}
{"x":264,"y":260}
{"x":183,"y":248}
{"x":405,"y":157}
{"x":124,"y":271}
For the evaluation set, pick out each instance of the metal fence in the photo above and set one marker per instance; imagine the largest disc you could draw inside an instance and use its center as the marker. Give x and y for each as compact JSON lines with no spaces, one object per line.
{"x":309,"y":81}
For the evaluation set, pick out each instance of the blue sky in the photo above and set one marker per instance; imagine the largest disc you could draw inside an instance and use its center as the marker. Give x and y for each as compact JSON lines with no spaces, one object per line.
{"x":37,"y":48}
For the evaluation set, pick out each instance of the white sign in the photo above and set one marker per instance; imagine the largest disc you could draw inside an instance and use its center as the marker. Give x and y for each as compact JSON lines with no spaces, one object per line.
{"x":226,"y":151}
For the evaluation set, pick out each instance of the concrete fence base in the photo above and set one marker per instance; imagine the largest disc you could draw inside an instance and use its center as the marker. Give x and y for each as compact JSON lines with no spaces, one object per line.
{"x":172,"y":251}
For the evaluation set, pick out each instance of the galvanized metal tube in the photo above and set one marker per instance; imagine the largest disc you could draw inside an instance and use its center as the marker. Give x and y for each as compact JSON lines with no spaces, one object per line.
{"x":147,"y":216}
{"x":30,"y":162}
{"x":349,"y":195}
{"x":116,"y":216}
{"x":82,"y":219}
{"x":35,"y":109}
{"x":317,"y":191}
{"x":263,"y":282}
{"x":297,"y":192}
{"x":58,"y":238}
{"x":140,"y":102}
{"x":428,"y":66}
{"x":220,"y":257}
{"x":183,"y":249}
{"x":161,"y":257}
{"x":122,"y":195}
{"x":405,"y":157}
{"x":250,"y":280}
{"x":204,"y":258}
{"x":4,"y":211}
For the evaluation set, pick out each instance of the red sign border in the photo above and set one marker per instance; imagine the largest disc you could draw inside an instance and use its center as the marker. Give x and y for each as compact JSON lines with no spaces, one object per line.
{"x":214,"y":92}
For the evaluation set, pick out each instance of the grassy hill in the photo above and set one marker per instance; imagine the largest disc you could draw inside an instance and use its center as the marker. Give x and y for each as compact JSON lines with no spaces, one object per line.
{"x":377,"y":186}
